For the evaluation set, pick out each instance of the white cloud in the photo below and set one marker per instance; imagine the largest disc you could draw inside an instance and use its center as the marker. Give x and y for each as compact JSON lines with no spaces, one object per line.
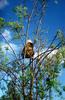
{"x":49,"y":56}
{"x":9,"y":53}
{"x":6,"y":34}
{"x":4,"y":46}
{"x":3,"y":3}
{"x":36,"y":53}
{"x":54,"y":52}
{"x":62,"y":62}
{"x":56,"y":1}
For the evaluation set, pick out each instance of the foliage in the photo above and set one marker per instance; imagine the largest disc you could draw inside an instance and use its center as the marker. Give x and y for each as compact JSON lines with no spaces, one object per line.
{"x":1,"y":22}
{"x":37,"y":78}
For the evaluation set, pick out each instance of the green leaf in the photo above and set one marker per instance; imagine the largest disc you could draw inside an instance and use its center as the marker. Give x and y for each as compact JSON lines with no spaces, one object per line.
{"x":6,"y":48}
{"x":64,"y":88}
{"x":2,"y":23}
{"x":17,"y":36}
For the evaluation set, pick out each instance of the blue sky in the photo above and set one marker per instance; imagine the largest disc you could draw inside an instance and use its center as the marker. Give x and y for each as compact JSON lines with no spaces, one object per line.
{"x":54,"y":18}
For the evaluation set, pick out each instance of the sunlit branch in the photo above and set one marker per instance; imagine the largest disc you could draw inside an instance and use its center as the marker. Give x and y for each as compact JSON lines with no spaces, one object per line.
{"x":11,"y":48}
{"x":47,"y":55}
{"x":11,"y":74}
{"x":29,"y":20}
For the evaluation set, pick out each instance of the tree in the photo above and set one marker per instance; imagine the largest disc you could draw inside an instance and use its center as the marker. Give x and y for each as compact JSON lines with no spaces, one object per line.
{"x":38,"y":78}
